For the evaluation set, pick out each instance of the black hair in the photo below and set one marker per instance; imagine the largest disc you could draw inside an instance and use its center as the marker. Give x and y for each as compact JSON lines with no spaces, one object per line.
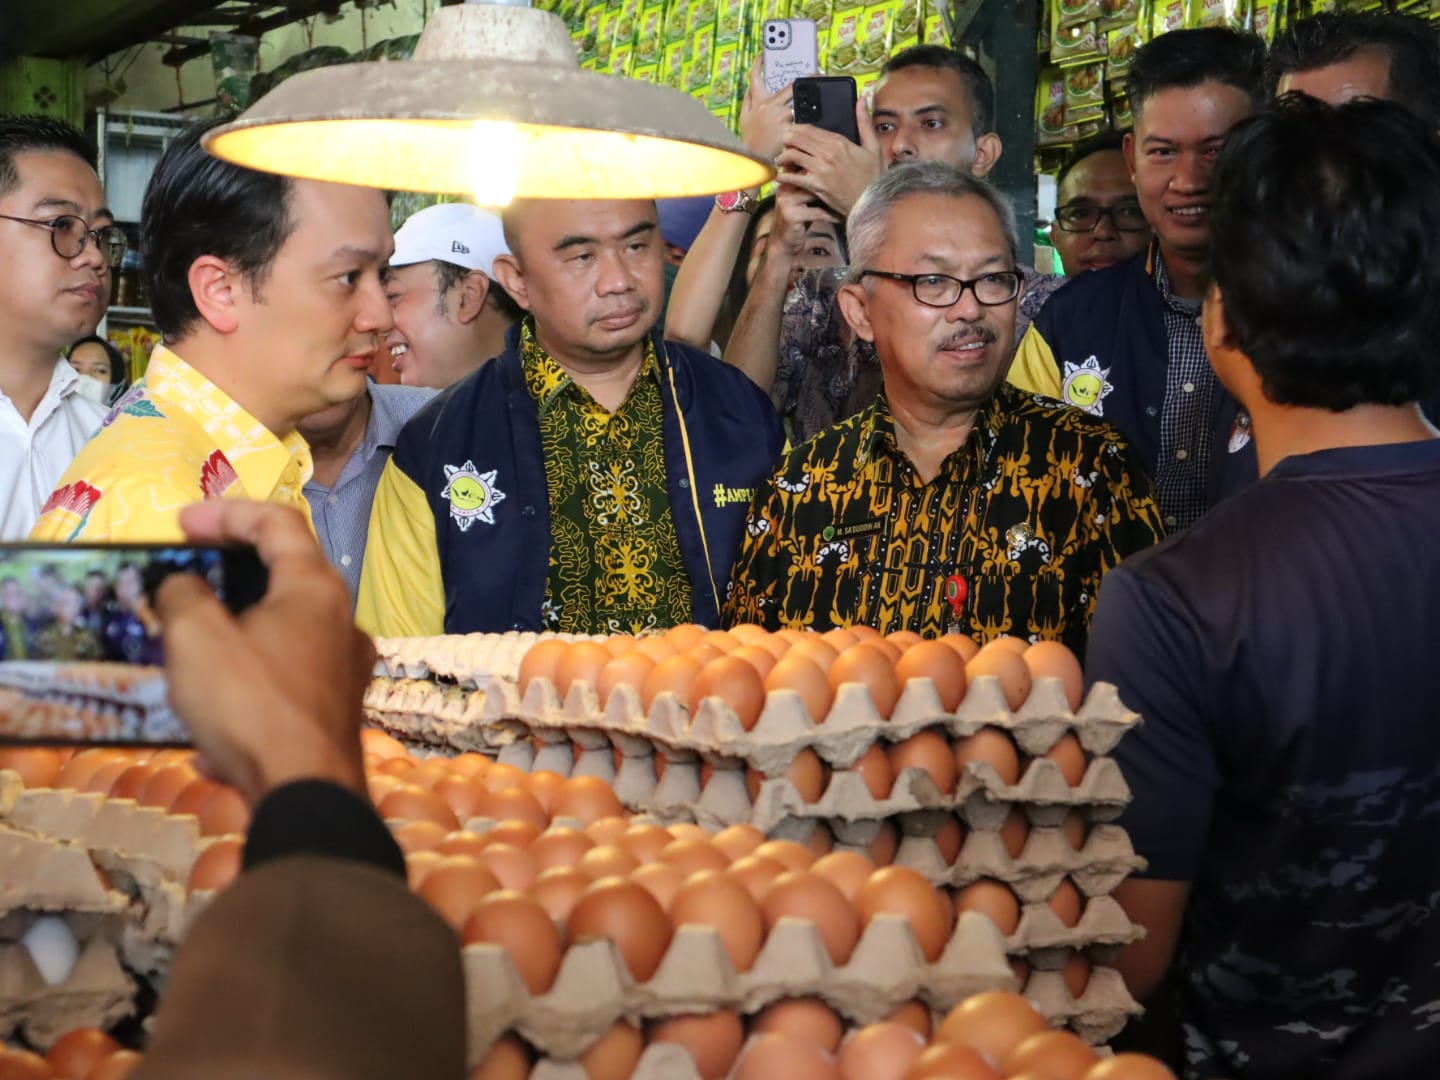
{"x":198,"y":205}
{"x":978,"y":85}
{"x":448,"y":275}
{"x":1410,"y":45}
{"x":117,"y":360}
{"x":1097,"y":144}
{"x":21,"y":134}
{"x":1323,"y":247}
{"x":1184,"y":59}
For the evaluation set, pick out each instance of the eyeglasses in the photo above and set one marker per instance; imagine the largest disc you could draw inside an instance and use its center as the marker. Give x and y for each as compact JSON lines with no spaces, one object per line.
{"x":69,"y":235}
{"x":1127,"y":217}
{"x":942,"y":290}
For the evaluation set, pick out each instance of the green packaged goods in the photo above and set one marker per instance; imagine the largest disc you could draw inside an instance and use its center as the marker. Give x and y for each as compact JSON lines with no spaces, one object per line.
{"x":907,"y":19}
{"x":1077,"y":45}
{"x":821,"y":11}
{"x":627,"y":22}
{"x":590,"y":39}
{"x":1115,"y":14}
{"x":672,"y":72}
{"x":1167,"y":15}
{"x":677,"y":22}
{"x":724,"y":73}
{"x":1072,"y":12}
{"x":1084,"y":93}
{"x":605,"y":39}
{"x":935,"y":31}
{"x":645,"y":73}
{"x":649,"y":35}
{"x":873,"y":43}
{"x":843,"y":56}
{"x":1050,"y":127}
{"x":1123,"y":44}
{"x":702,"y":15}
{"x":730,"y":22}
{"x":622,"y":60}
{"x":698,"y":74}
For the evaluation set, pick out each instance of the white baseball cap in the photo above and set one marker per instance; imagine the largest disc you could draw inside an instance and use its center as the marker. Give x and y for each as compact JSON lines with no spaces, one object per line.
{"x":457,"y":233}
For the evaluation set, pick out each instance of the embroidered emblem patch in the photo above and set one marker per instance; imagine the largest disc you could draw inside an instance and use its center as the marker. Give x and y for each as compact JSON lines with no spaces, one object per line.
{"x":1086,"y":386}
{"x":472,"y":495}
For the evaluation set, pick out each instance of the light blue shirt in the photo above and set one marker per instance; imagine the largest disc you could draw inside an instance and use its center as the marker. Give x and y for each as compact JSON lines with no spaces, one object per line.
{"x":342,"y":513}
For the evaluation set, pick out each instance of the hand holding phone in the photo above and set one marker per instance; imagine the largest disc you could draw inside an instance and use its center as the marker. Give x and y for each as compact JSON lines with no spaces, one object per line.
{"x":832,"y":151}
{"x":790,"y":49}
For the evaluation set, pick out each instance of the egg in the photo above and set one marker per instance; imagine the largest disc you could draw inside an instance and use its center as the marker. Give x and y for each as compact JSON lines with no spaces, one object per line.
{"x":675,"y":676}
{"x":628,"y":915}
{"x":1020,"y":968}
{"x":117,"y":1066}
{"x":930,"y":752}
{"x":688,"y":830}
{"x":802,"y":1018}
{"x":1050,"y":659}
{"x":899,"y":890}
{"x":940,"y":664}
{"x":807,"y":679}
{"x":455,"y":885}
{"x":1014,"y":833}
{"x":503,"y":777}
{"x":888,"y":648}
{"x":657,"y":648}
{"x":944,"y":1062}
{"x":425,"y":773}
{"x":807,"y":895}
{"x":1008,"y":667}
{"x":607,"y":860}
{"x":540,"y":662}
{"x":712,"y":1040}
{"x":608,"y":830}
{"x":216,"y":866}
{"x":521,"y":927}
{"x":1066,"y":902}
{"x":873,"y":767}
{"x":132,"y":781}
{"x":737,"y":841}
{"x":1073,"y":829}
{"x":846,"y":870}
{"x":77,"y":1052}
{"x":628,"y":670}
{"x":864,"y":664}
{"x":559,"y":846}
{"x":686,"y":635}
{"x":37,"y":766}
{"x":470,"y":764}
{"x":693,"y":855}
{"x":789,"y":854}
{"x":1008,"y":642}
{"x":507,"y":1059}
{"x":749,"y":633}
{"x":993,"y":899}
{"x":736,"y":683}
{"x":1076,"y":974}
{"x":103,"y":779}
{"x":776,"y":646}
{"x":76,"y":772}
{"x":614,"y":1055}
{"x":1068,"y":754}
{"x":704,"y":652}
{"x":23,"y":1065}
{"x":165,"y":786}
{"x":418,"y":865}
{"x":885,"y":843}
{"x":416,"y":836}
{"x":645,"y":842}
{"x":587,"y":799}
{"x":619,"y":644}
{"x":820,"y":841}
{"x":840,"y":638}
{"x":582,"y":663}
{"x":995,"y":748}
{"x":994,"y":1023}
{"x":880,"y":1052}
{"x":513,"y":867}
{"x":414,"y":803}
{"x":774,"y":1055}
{"x":759,"y":658}
{"x":915,"y":1015}
{"x":904,"y":640}
{"x":520,"y":834}
{"x":817,"y":650}
{"x":1058,"y":1054}
{"x":557,"y":889}
{"x":1129,"y":1067}
{"x":807,"y":772}
{"x":382,"y":744}
{"x":755,"y":872}
{"x":713,"y":898}
{"x":949,"y":838}
{"x":660,"y":880}
{"x":963,"y":646}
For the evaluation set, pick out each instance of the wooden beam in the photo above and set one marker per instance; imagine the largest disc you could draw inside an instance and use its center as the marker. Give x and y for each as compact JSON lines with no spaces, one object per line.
{"x":92,"y":29}
{"x":293,"y":11}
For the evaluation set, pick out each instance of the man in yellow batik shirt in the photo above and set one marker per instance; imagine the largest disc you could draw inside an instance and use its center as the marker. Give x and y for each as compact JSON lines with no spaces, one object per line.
{"x":267,"y":291}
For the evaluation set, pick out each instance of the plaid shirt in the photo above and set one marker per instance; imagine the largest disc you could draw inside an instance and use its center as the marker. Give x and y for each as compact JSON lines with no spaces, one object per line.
{"x":1185,"y":429}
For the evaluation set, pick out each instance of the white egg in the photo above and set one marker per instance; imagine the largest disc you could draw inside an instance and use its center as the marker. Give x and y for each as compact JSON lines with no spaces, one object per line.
{"x":53,"y":948}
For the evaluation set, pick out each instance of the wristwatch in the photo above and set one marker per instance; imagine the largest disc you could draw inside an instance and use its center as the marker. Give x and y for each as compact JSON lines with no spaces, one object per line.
{"x":732,"y":202}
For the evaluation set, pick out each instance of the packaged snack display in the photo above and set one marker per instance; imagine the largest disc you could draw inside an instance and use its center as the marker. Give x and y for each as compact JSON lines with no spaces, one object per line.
{"x":1084,"y":93}
{"x":843,"y":47}
{"x":873,"y":42}
{"x":649,"y":37}
{"x":1080,"y":43}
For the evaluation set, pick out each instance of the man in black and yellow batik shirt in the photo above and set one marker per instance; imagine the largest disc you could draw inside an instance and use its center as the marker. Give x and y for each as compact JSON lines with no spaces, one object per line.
{"x":954,"y":503}
{"x":592,"y":479}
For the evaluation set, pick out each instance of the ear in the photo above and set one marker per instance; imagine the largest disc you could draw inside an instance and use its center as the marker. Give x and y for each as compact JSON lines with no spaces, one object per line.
{"x":506,"y":270}
{"x":1231,"y":365}
{"x":853,"y":301}
{"x":987,"y":152}
{"x":1127,"y":147}
{"x":217,"y":292}
{"x":474,"y":287}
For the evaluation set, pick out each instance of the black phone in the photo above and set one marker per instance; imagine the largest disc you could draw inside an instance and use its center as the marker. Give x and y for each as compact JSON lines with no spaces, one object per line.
{"x":827,"y":101}
{"x":80,"y":647}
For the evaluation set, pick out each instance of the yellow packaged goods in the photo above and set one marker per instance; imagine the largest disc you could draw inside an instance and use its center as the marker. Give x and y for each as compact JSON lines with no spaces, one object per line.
{"x":697,"y":75}
{"x":1266,"y":16}
{"x":730,"y":22}
{"x":1122,"y":113}
{"x":907,"y":20}
{"x":724,"y":74}
{"x":844,"y":55}
{"x":645,"y":73}
{"x":1167,"y":15}
{"x":677,"y":22}
{"x":1084,"y":93}
{"x":873,"y":42}
{"x":590,"y":38}
{"x":1050,"y":127}
{"x":702,"y":14}
{"x":1217,"y":13}
{"x":818,"y":10}
{"x":1115,"y":14}
{"x":1080,"y":44}
{"x":773,"y":9}
{"x":622,"y":60}
{"x":899,"y":44}
{"x":626,"y":22}
{"x":605,"y":39}
{"x":867,"y":79}
{"x":935,"y":31}
{"x":1124,"y":43}
{"x":1069,"y":13}
{"x":672,"y":72}
{"x":649,"y":36}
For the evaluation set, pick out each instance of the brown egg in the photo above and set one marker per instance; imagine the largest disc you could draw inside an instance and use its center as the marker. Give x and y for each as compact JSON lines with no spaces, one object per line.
{"x":676,"y":676}
{"x":628,"y":670}
{"x":949,"y":839}
{"x":940,"y":664}
{"x":414,"y":803}
{"x":713,"y":898}
{"x":216,"y":866}
{"x":874,"y":768}
{"x":944,"y":1062}
{"x":1076,"y":974}
{"x":759,"y":658}
{"x":645,"y":842}
{"x":821,"y":840}
{"x":1020,"y":968}
{"x":464,"y":842}
{"x":928,"y":751}
{"x":165,"y":786}
{"x":686,"y":636}
{"x":77,"y":1052}
{"x":1008,"y":667}
{"x":840,"y":639}
{"x":995,"y":748}
{"x":963,"y":646}
{"x":802,"y":1018}
{"x":557,"y":889}
{"x":76,"y":772}
{"x":541,"y":661}
{"x":660,"y":880}
{"x":1010,"y":643}
{"x":775,"y":1056}
{"x":613,"y":1056}
{"x":1070,"y":756}
{"x":1014,"y":833}
{"x":688,"y":830}
{"x":657,"y":648}
{"x":396,"y":766}
{"x":749,"y":633}
{"x":470,"y":764}
{"x":132,"y":781}
{"x":103,"y":779}
{"x":1129,"y":1067}
{"x":582,"y":662}
{"x":807,"y":895}
{"x":883,"y":847}
{"x":117,"y":1066}
{"x":587,"y":799}
{"x":712,"y":1040}
{"x":37,"y":766}
{"x":915,"y":1015}
{"x":723,"y":640}
{"x":899,"y":890}
{"x":775,"y":645}
{"x":863,"y":664}
{"x":608,"y":830}
{"x":520,"y":834}
{"x":1058,"y":1054}
{"x":816,"y":649}
{"x":503,"y":777}
{"x":880,"y":1052}
{"x":382,"y":744}
{"x":993,"y":1023}
{"x":904,"y":640}
{"x":1053,"y":660}
{"x":1074,"y":830}
{"x":1066,"y":902}
{"x":692,"y":856}
{"x":628,"y":915}
{"x":994,"y":899}
{"x":607,"y":860}
{"x":703,"y":652}
{"x":559,"y":846}
{"x":513,"y":867}
{"x":846,"y":870}
{"x":418,"y":865}
{"x":23,"y":1065}
{"x":787,"y":853}
{"x":806,"y":678}
{"x":738,"y":841}
{"x":755,"y":872}
{"x":512,"y":804}
{"x":524,"y":929}
{"x":416,"y":836}
{"x":464,"y":794}
{"x":455,"y":886}
{"x":508,"y":1059}
{"x":426,"y":772}
{"x":377,"y":786}
{"x":807,"y":772}
{"x":735,"y":682}
{"x":619,"y":644}
{"x":892,"y":651}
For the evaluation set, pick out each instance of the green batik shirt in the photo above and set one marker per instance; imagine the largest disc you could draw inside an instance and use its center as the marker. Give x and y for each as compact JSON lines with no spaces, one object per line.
{"x":1030,"y":512}
{"x":615,"y":561}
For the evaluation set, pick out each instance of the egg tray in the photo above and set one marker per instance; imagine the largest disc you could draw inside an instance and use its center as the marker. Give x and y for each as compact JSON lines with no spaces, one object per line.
{"x":100,"y":681}
{"x":97,"y":993}
{"x":470,"y":660}
{"x":44,"y":875}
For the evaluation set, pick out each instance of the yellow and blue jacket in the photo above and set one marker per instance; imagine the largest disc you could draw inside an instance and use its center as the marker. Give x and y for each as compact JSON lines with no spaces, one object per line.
{"x":460,"y":532}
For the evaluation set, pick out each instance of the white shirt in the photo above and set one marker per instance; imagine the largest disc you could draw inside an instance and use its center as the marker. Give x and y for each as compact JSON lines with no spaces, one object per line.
{"x":33,"y":456}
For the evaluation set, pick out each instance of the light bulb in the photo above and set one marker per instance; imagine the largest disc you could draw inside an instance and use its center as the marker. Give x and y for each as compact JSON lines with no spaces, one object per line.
{"x":495,"y":149}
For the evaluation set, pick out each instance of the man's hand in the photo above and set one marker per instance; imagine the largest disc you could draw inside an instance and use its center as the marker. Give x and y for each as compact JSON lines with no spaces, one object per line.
{"x":765,"y":118}
{"x":830,"y":167}
{"x":275,"y":694}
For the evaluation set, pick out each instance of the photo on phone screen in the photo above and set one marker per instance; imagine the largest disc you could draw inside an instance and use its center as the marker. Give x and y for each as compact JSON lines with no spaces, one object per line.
{"x":80,"y":644}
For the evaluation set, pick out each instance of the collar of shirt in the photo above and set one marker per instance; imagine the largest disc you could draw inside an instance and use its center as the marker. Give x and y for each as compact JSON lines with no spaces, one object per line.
{"x":877,"y":435}
{"x":64,"y":383}
{"x":260,"y":458}
{"x":1161,"y":277}
{"x":547,"y":380}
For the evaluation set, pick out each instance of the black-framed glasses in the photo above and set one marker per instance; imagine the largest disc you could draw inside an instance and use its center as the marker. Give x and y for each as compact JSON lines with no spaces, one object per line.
{"x":69,"y":235}
{"x":1127,"y":217}
{"x":942,"y":290}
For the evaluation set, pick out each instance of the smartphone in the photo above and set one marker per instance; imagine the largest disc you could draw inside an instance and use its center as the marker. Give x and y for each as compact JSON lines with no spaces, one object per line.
{"x":829,"y":102}
{"x":790,"y":49}
{"x":80,"y":642}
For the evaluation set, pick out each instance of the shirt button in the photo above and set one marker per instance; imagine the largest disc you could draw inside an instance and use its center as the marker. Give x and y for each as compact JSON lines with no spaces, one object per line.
{"x":529,"y":511}
{"x":333,"y":499}
{"x":1150,"y":410}
{"x":1170,"y":520}
{"x":684,"y":483}
{"x":1181,"y":455}
{"x":1189,"y":388}
{"x":345,"y":560}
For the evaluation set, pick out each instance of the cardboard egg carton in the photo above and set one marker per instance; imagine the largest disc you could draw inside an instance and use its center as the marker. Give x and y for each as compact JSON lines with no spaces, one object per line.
{"x":593,"y":988}
{"x":87,"y":700}
{"x":1097,"y":1015}
{"x":97,"y":993}
{"x":52,"y":876}
{"x":469,"y":660}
